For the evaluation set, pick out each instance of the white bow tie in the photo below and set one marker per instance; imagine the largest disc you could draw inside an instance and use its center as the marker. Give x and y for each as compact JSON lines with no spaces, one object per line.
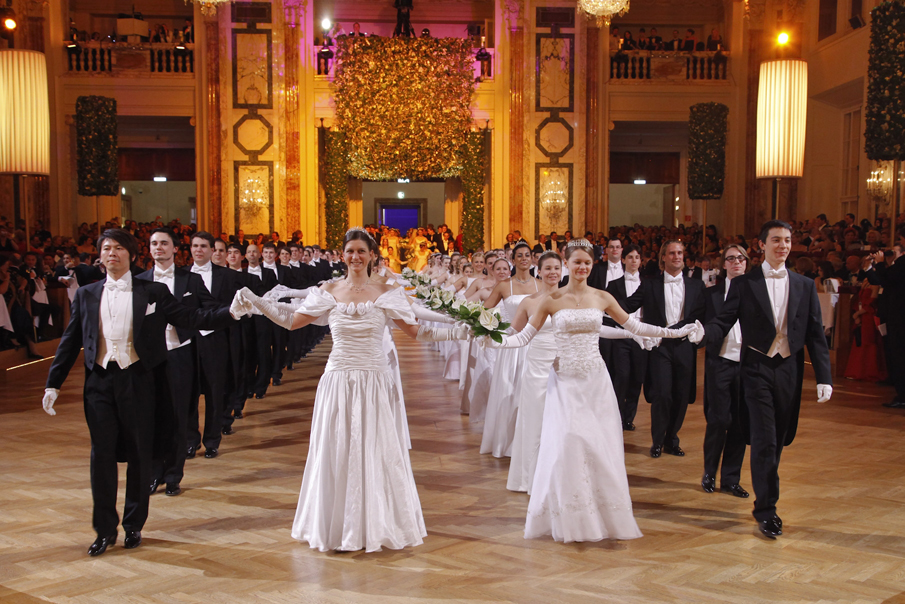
{"x":272,"y":267}
{"x":777,"y":274}
{"x":119,"y":285}
{"x":201,"y":269}
{"x":165,"y":273}
{"x":667,"y":278}
{"x":631,"y":277}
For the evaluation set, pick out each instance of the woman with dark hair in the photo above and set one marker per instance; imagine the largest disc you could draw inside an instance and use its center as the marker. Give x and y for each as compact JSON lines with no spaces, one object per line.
{"x":358,"y":490}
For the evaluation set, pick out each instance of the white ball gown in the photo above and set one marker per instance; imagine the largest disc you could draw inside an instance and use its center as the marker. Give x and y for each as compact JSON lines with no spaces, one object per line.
{"x":531,"y":395}
{"x":580,"y":490}
{"x":358,"y":490}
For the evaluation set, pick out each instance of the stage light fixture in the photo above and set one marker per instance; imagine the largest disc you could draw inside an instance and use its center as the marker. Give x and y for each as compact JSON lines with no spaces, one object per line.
{"x":8,"y":16}
{"x":326,"y":24}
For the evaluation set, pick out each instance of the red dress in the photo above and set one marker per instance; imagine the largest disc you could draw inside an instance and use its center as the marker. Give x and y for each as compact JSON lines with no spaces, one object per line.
{"x":866,"y":361}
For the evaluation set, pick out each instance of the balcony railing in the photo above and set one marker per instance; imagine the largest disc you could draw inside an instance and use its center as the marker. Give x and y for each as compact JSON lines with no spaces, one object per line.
{"x":669,"y":66}
{"x":116,"y":59}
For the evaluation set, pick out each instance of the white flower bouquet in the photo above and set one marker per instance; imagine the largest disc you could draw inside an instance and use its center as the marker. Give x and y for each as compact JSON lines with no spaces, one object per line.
{"x":482,"y":321}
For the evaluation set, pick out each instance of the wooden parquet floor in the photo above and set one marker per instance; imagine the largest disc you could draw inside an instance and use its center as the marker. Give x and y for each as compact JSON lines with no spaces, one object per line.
{"x":226,"y":538}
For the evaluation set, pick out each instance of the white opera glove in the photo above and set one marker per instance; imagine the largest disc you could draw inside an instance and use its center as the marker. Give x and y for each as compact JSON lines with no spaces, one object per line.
{"x":442,"y":334}
{"x":423,"y":313}
{"x":698,"y":334}
{"x":50,"y":397}
{"x":279,"y":313}
{"x":516,"y":340}
{"x":281,"y":291}
{"x":652,"y":331}
{"x":614,"y":333}
{"x":824,"y":392}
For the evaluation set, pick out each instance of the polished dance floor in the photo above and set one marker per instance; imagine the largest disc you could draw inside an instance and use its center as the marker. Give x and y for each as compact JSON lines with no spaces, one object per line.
{"x":226,"y":538}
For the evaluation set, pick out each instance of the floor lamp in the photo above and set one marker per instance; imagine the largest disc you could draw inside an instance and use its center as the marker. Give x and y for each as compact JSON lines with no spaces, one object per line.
{"x":24,"y":119}
{"x":782,"y":102}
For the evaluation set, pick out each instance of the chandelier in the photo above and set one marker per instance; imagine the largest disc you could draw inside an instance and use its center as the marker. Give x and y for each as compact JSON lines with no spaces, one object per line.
{"x":554,"y":195}
{"x":880,"y":182}
{"x":254,"y":197}
{"x":604,"y":10}
{"x":209,"y":7}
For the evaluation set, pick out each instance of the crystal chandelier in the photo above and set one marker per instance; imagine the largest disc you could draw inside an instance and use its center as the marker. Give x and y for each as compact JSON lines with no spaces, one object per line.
{"x":604,"y":10}
{"x":554,"y":195}
{"x":880,"y":182}
{"x":209,"y":7}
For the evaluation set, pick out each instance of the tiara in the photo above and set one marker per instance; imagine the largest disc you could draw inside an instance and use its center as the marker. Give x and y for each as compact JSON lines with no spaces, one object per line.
{"x":579,"y":243}
{"x":360,"y":230}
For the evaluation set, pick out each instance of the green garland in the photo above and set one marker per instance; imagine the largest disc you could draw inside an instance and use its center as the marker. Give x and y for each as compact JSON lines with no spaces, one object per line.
{"x":473,"y":154}
{"x":336,"y":188}
{"x":707,"y":125}
{"x":96,"y":145}
{"x":884,"y":116}
{"x":404,"y":104}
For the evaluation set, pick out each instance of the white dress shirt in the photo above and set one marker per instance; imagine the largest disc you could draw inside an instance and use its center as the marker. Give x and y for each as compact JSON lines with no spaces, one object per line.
{"x":272,"y":267}
{"x":207,"y":275}
{"x":778,"y":290}
{"x":674,"y":296}
{"x":614,"y":270}
{"x":632,"y":283}
{"x":294,"y":263}
{"x":115,"y":341}
{"x":732,"y":345}
{"x":255,"y":270}
{"x":167,"y":277}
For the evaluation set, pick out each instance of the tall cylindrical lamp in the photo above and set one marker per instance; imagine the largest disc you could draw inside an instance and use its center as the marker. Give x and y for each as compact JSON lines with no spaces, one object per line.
{"x":24,"y":117}
{"x":782,"y":102}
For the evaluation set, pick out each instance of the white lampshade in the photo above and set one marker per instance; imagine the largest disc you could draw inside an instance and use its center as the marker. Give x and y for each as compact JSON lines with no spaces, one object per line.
{"x":24,"y":113}
{"x":782,"y":104}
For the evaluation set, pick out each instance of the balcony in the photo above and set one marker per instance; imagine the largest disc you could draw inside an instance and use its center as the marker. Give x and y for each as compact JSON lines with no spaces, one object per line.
{"x":660,"y":66}
{"x":123,"y":59}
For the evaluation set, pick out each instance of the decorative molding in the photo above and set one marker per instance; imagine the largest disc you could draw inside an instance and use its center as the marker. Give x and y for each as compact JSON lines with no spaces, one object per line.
{"x":214,"y":137}
{"x":243,"y":132}
{"x":252,"y":68}
{"x":542,"y":143}
{"x":555,"y":62}
{"x":514,"y":13}
{"x":240,"y":169}
{"x":295,"y":11}
{"x":563,"y":221}
{"x":290,"y":130}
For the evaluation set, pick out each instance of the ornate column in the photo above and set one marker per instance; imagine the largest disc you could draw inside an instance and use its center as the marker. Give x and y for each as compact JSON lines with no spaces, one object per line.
{"x":291,"y":135}
{"x":516,"y":128}
{"x":592,"y":162}
{"x":214,"y":136}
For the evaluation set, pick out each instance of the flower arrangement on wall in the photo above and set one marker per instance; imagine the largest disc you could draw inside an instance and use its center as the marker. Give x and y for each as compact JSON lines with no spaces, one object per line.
{"x":96,"y":145}
{"x":473,"y":168}
{"x":707,"y":126}
{"x":884,"y":115}
{"x":336,"y":188}
{"x":404,"y":104}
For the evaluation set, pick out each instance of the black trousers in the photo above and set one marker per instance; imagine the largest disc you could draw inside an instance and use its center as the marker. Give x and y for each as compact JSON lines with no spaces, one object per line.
{"x":182,"y":377}
{"x":264,"y":357}
{"x":628,"y":367}
{"x":671,"y":367}
{"x":770,"y":385}
{"x":895,"y":357}
{"x":119,"y":409}
{"x":280,"y":340}
{"x":213,"y":359}
{"x":723,"y":437}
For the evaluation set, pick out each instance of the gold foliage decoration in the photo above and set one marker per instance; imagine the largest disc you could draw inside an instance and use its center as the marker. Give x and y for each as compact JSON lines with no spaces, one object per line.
{"x":403,"y":104}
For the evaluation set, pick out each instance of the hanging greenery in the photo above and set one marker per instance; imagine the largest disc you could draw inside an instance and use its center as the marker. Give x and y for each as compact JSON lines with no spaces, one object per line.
{"x":707,"y":126}
{"x":884,"y":116}
{"x":96,"y":145}
{"x":404,"y":104}
{"x":336,"y":188}
{"x":473,"y":169}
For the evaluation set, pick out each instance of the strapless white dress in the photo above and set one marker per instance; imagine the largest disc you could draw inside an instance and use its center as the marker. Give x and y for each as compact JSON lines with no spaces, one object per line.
{"x":531,"y":394}
{"x":580,"y":489}
{"x":358,"y":490}
{"x":502,"y":405}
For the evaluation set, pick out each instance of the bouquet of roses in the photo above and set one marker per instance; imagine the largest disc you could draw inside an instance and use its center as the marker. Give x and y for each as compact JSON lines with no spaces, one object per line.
{"x":482,"y":321}
{"x":414,"y":279}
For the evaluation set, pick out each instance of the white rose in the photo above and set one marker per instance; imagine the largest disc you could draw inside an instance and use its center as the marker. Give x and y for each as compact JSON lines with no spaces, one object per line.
{"x":422,"y":292}
{"x":489,"y":320}
{"x":447,"y":296}
{"x":435,"y":303}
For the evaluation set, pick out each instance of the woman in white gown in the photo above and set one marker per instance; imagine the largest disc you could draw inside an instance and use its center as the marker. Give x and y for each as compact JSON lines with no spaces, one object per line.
{"x":502,"y":406}
{"x":358,"y":490}
{"x":580,"y":489}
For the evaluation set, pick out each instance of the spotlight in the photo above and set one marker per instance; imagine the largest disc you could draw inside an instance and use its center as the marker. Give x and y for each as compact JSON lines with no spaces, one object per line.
{"x":783,"y":39}
{"x":326,"y":24}
{"x":9,"y":23}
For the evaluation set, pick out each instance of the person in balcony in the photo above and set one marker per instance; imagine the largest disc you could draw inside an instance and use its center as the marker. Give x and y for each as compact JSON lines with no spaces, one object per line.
{"x":615,"y":40}
{"x":676,"y":43}
{"x":188,"y":33}
{"x":714,"y":40}
{"x":643,"y":41}
{"x":691,"y":40}
{"x":655,"y":42}
{"x":628,"y":42}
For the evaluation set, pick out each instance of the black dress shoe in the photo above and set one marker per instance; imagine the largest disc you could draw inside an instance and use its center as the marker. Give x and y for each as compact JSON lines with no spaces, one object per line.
{"x":101,"y":544}
{"x":777,"y":520}
{"x":36,"y":357}
{"x":289,"y":367}
{"x":708,"y":483}
{"x":736,"y":490}
{"x":132,"y":540}
{"x":154,"y":484}
{"x":277,"y":382}
{"x":173,"y":489}
{"x":190,"y":452}
{"x":895,"y":404}
{"x":677,"y":451}
{"x":656,"y":450}
{"x":769,"y":528}
{"x":259,"y":396}
{"x":227,"y":430}
{"x":237,"y":414}
{"x":211,"y":453}
{"x":628,"y":426}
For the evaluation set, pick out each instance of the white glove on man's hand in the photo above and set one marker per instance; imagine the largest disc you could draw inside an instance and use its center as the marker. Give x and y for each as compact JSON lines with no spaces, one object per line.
{"x":824,"y":392}
{"x":240,"y":305}
{"x":651,"y":343}
{"x":50,"y":397}
{"x":696,"y":334}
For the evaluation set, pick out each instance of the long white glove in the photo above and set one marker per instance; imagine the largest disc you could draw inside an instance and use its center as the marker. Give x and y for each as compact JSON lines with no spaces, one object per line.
{"x":614,"y":333}
{"x":516,"y":340}
{"x":279,"y":313}
{"x":281,"y":291}
{"x":652,"y":331}
{"x":824,"y":392}
{"x":425,"y":314}
{"x":442,"y":334}
{"x":50,"y":397}
{"x":698,"y":334}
